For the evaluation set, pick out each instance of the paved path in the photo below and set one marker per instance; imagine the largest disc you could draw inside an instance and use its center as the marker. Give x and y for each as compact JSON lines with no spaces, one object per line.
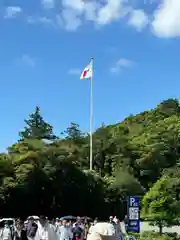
{"x":144,"y":226}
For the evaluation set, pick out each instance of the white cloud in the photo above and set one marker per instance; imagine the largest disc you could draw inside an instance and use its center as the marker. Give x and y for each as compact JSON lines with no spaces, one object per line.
{"x":91,"y":10}
{"x":74,"y":12}
{"x":31,"y":20}
{"x":121,"y":64}
{"x":71,"y":14}
{"x":59,"y":20}
{"x":41,"y":20}
{"x":74,"y":71}
{"x":166,"y":21}
{"x":70,"y":19}
{"x":48,"y":3}
{"x":27,"y":60}
{"x":77,"y":5}
{"x":113,"y":10}
{"x":12,"y":11}
{"x":101,"y":13}
{"x":138,"y":19}
{"x":46,"y":20}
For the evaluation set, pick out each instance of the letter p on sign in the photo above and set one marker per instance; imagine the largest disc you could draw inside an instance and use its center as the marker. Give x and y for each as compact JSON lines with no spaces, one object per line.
{"x":132,"y":201}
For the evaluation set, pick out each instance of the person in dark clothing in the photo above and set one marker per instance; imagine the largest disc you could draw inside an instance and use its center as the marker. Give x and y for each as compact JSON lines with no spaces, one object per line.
{"x":20,"y":232}
{"x":31,"y":228}
{"x":77,"y":232}
{"x":126,"y":220}
{"x":86,"y":229}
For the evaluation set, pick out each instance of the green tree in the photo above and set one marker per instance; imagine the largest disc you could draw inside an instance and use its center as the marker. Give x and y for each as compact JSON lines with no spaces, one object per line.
{"x":37,"y":128}
{"x":101,"y":140}
{"x":140,"y":155}
{"x":126,"y":183}
{"x":73,"y":133}
{"x":161,"y":204}
{"x":169,"y":107}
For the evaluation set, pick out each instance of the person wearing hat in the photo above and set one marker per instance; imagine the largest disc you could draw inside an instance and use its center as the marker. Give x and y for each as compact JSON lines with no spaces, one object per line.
{"x":102,"y":231}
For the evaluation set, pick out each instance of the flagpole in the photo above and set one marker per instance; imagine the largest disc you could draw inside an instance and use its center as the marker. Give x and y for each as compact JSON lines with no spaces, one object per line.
{"x":91,"y":119}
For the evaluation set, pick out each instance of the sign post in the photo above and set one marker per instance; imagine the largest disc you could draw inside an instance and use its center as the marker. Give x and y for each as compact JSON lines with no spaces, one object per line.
{"x":133,"y":205}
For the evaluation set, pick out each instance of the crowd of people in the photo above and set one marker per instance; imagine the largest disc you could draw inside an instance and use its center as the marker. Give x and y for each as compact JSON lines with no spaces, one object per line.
{"x":61,"y":229}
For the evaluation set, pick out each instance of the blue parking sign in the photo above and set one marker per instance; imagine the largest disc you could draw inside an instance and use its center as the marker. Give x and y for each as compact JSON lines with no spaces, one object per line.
{"x":133,"y":214}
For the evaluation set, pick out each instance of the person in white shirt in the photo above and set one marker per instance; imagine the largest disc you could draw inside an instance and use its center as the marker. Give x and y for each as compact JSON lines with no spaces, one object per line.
{"x":115,"y":219}
{"x":5,"y":233}
{"x":102,"y":231}
{"x":57,"y":224}
{"x":65,"y":232}
{"x":45,"y":230}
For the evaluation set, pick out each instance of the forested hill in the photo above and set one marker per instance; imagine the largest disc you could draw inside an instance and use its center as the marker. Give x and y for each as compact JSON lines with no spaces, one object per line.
{"x":52,"y":177}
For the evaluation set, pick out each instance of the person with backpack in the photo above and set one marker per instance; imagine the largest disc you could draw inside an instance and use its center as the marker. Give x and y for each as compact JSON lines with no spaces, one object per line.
{"x":77,"y":232}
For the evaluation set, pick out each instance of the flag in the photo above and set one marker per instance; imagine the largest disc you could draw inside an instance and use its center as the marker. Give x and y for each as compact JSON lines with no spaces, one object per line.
{"x":88,"y":71}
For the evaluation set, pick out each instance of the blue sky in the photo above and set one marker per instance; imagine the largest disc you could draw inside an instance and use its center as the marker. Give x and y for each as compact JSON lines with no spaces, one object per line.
{"x":45,"y":45}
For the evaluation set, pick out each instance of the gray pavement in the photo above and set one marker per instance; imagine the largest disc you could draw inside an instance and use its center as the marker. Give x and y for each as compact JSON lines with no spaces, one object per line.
{"x":144,"y":226}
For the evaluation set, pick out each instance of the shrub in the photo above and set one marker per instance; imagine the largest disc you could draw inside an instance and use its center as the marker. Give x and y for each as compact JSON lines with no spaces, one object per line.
{"x":147,"y":235}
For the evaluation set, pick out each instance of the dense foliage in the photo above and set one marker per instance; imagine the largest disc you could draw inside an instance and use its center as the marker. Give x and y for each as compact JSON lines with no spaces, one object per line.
{"x":44,"y":173}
